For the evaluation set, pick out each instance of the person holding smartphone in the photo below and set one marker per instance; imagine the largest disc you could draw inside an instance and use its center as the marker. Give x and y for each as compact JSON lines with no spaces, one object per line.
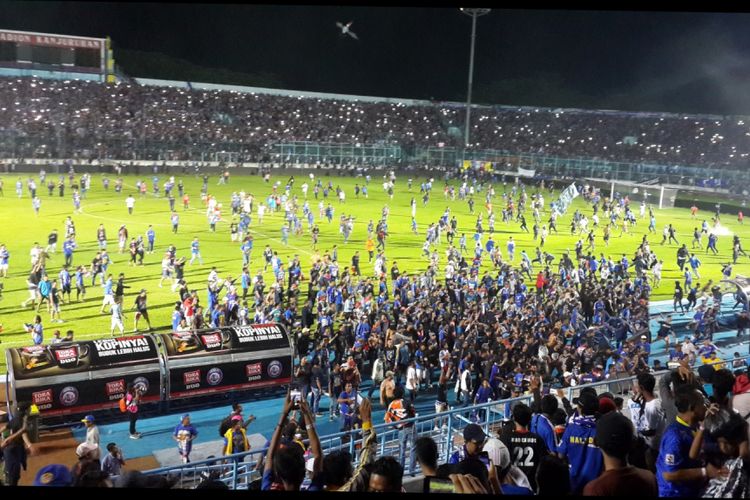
{"x":285,"y":467}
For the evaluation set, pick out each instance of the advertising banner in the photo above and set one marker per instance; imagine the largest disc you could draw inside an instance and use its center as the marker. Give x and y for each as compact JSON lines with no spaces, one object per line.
{"x":262,"y":337}
{"x":72,"y":357}
{"x":76,"y":377}
{"x":225,"y":375}
{"x":205,"y":362}
{"x":85,"y":395}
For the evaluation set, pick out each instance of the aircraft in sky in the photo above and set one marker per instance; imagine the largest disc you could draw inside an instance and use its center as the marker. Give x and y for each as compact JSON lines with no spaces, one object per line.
{"x":346,"y":31}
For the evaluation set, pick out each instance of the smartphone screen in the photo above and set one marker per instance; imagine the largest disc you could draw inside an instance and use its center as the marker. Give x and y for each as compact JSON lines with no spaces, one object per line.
{"x":437,"y":485}
{"x":296,"y":395}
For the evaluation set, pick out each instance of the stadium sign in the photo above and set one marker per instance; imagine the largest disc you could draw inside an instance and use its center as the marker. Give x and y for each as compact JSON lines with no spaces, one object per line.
{"x":60,"y":41}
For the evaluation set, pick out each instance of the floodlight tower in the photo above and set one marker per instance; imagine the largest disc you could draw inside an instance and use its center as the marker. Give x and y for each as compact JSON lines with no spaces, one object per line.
{"x":474,"y":13}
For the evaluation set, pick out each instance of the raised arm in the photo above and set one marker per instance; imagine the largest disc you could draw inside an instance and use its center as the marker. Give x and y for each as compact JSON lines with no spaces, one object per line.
{"x":312,"y":435}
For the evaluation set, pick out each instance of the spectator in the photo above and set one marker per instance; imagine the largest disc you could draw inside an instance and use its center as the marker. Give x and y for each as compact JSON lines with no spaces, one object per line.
{"x":92,"y":435}
{"x":285,"y":467}
{"x":235,"y":439}
{"x":552,"y":477}
{"x":401,"y":409}
{"x":184,"y":433}
{"x":113,"y":462}
{"x":527,"y":448}
{"x":541,"y":422}
{"x":513,"y":481}
{"x":86,"y":461}
{"x":676,"y":473}
{"x":647,"y":416}
{"x":138,"y":480}
{"x":16,"y":445}
{"x":474,"y":439}
{"x":614,"y":437}
{"x":730,"y":430}
{"x":337,"y":469}
{"x":132,"y":399}
{"x":577,"y":444}
{"x":426,"y":451}
{"x":386,"y":476}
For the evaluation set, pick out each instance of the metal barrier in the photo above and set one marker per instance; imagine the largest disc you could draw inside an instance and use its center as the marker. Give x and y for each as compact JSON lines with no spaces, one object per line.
{"x":443,"y":427}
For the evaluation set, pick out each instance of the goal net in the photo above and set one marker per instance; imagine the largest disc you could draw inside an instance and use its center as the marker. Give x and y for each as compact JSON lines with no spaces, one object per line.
{"x":653,"y":194}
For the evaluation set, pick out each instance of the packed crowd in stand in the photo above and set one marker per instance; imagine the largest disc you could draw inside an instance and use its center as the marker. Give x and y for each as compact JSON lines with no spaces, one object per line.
{"x":92,"y":119}
{"x":532,"y":328}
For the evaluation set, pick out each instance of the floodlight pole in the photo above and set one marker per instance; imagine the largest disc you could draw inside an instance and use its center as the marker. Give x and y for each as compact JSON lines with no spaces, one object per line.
{"x":474,"y":13}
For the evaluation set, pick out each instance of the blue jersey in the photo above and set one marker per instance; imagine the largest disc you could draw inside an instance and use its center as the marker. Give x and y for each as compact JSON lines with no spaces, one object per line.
{"x":185,"y":435}
{"x":64,"y":277}
{"x":673,"y":456}
{"x":344,"y":407}
{"x":542,"y":426}
{"x":195,"y":247}
{"x":68,"y":247}
{"x":151,"y":234}
{"x":176,"y":318}
{"x":585,"y":458}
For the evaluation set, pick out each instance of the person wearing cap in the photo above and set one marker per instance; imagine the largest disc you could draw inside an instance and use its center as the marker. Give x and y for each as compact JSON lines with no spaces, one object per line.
{"x":53,"y":475}
{"x":577,"y":443}
{"x":92,"y":434}
{"x":513,"y":481}
{"x":184,"y":433}
{"x":235,"y":439}
{"x":86,"y":460}
{"x":474,"y":438}
{"x":615,"y":436}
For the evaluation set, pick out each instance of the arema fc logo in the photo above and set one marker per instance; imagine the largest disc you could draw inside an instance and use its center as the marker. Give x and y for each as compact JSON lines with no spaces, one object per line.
{"x":214,"y":376}
{"x":69,"y":396}
{"x":274,"y":369}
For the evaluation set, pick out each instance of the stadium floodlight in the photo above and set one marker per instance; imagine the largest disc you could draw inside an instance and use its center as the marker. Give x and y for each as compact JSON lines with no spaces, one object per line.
{"x":474,"y":13}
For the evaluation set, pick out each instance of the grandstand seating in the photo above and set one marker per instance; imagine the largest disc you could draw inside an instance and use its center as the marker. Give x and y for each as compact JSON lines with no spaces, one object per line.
{"x":48,"y":118}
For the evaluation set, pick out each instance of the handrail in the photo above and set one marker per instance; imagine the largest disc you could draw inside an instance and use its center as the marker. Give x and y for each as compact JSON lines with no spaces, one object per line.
{"x":453,"y":418}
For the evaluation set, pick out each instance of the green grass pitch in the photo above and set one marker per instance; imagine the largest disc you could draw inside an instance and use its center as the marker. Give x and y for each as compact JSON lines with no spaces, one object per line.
{"x":20,"y":228}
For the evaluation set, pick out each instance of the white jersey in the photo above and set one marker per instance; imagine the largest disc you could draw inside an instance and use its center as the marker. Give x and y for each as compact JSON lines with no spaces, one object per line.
{"x":649,"y":418}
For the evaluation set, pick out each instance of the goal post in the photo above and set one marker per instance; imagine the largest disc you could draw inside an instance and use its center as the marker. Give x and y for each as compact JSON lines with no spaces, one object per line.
{"x":653,"y":194}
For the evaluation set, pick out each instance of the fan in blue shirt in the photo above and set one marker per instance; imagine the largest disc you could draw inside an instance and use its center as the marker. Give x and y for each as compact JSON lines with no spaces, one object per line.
{"x":676,"y":473}
{"x":577,"y":444}
{"x":542,"y":425}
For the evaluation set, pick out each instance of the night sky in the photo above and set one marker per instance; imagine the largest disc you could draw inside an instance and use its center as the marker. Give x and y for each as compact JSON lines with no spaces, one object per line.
{"x":651,"y":61}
